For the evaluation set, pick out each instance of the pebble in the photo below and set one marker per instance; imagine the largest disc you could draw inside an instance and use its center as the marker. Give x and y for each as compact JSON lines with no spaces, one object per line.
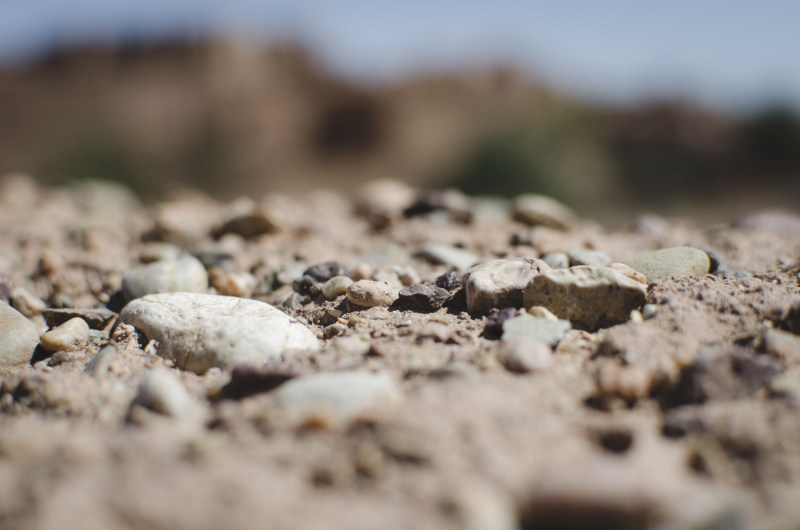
{"x":336,"y":396}
{"x":595,"y":258}
{"x":247,"y":219}
{"x":525,"y":354}
{"x":201,"y":331}
{"x":649,"y":311}
{"x":556,"y":260}
{"x":590,"y":297}
{"x":101,"y":362}
{"x":161,"y":392}
{"x":422,"y":298}
{"x":18,"y":337}
{"x":500,"y":283}
{"x":541,"y":329}
{"x":184,"y":275}
{"x":370,"y":293}
{"x":668,"y":262}
{"x":441,"y":254}
{"x":540,"y":210}
{"x":336,"y":286}
{"x":448,"y":280}
{"x":95,"y":318}
{"x":323,"y":272}
{"x":493,"y":328}
{"x":241,"y":284}
{"x":72,"y":334}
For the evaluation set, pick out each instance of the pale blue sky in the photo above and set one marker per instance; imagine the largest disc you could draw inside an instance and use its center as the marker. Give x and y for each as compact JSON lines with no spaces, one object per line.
{"x":722,"y":52}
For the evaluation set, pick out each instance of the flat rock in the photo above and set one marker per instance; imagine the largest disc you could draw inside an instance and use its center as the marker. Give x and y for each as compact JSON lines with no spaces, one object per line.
{"x":422,"y":298}
{"x":371,"y":293}
{"x":201,"y":331}
{"x":95,"y":318}
{"x":336,"y":395}
{"x":72,"y":334}
{"x":595,"y":258}
{"x":184,"y":275}
{"x":530,"y":327}
{"x":18,"y":337}
{"x":500,"y":283}
{"x":539,"y":210}
{"x":454,"y":257}
{"x":668,"y":262}
{"x":590,"y":297}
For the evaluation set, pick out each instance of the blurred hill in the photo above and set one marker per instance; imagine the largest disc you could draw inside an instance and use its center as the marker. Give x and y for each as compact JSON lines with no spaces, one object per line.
{"x":235,"y":118}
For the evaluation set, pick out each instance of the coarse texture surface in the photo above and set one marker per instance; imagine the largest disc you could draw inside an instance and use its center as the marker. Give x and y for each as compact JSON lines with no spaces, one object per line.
{"x":681,"y":411}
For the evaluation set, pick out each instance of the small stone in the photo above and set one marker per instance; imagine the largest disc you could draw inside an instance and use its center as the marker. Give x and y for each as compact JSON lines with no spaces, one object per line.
{"x":649,"y":311}
{"x":26,"y":303}
{"x":201,"y":331}
{"x":556,"y":260}
{"x":594,"y":258}
{"x":336,"y":286}
{"x":422,"y":298}
{"x":668,"y":262}
{"x":446,"y":255}
{"x":185,"y":275}
{"x":95,"y":318}
{"x":161,"y":392}
{"x":542,"y":329}
{"x":323,"y":272}
{"x":493,"y":328}
{"x":336,"y":396}
{"x":72,"y":334}
{"x":247,"y":219}
{"x":18,"y":337}
{"x":228,"y":283}
{"x":307,"y":286}
{"x":382,"y":201}
{"x":541,"y":210}
{"x":449,"y":281}
{"x":334,"y":330}
{"x":101,"y":363}
{"x":369,"y":293}
{"x":500,"y":283}
{"x":525,"y":354}
{"x":590,"y":297}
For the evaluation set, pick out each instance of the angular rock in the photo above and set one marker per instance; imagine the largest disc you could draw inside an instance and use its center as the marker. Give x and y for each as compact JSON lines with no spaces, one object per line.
{"x":336,"y":396}
{"x":72,"y":334}
{"x":422,"y":298}
{"x":95,"y":318}
{"x":184,"y":275}
{"x":446,"y":255}
{"x":539,"y":210}
{"x":541,"y":329}
{"x":201,"y":331}
{"x":500,"y":283}
{"x":595,"y":258}
{"x":668,"y":262}
{"x":369,"y":293}
{"x":589,"y":297}
{"x":161,"y":392}
{"x":336,"y":286}
{"x":449,"y":281}
{"x":525,"y":354}
{"x":18,"y":337}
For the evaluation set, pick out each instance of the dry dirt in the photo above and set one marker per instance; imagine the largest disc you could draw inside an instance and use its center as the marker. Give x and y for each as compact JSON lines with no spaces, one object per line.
{"x":687,"y":419}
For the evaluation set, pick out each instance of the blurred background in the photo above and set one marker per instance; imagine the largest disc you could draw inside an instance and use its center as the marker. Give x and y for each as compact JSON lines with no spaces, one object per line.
{"x":611,"y":106}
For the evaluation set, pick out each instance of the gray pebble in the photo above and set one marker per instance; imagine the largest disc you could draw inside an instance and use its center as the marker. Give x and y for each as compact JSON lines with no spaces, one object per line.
{"x":541,"y":329}
{"x":422,"y":298}
{"x":556,"y":260}
{"x":370,"y":293}
{"x":336,"y":286}
{"x":446,"y":255}
{"x":594,"y":258}
{"x":649,"y":311}
{"x":323,"y":272}
{"x":72,"y":334}
{"x":184,"y":275}
{"x":500,"y":283}
{"x":201,"y":331}
{"x":668,"y":262}
{"x":18,"y":337}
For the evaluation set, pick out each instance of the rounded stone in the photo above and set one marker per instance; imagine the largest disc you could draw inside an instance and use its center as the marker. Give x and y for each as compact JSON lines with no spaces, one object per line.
{"x":161,"y":392}
{"x":590,"y":297}
{"x":336,"y":286}
{"x":184,"y":275}
{"x":539,"y":210}
{"x":201,"y":331}
{"x":18,"y":337}
{"x":500,"y":283}
{"x":370,"y":293}
{"x":72,"y":334}
{"x":668,"y":262}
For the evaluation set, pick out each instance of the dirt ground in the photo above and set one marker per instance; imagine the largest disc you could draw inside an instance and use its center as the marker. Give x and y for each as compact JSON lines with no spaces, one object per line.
{"x":688,"y":418}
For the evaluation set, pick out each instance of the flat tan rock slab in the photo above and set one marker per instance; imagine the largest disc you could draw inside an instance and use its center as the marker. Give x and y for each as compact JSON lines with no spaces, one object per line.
{"x":202,"y":331}
{"x":670,"y":262}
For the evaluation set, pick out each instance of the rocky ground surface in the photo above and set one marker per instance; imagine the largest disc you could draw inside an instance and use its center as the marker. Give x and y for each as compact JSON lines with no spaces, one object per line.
{"x":392,"y":359}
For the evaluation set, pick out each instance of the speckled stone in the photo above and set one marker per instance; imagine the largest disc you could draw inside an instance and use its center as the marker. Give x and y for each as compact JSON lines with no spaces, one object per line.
{"x":668,"y":262}
{"x":161,"y":392}
{"x":500,"y":283}
{"x":370,"y":293}
{"x":336,"y":286}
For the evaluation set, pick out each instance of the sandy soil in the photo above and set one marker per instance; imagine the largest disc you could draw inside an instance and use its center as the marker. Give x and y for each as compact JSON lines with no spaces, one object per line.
{"x":687,"y":419}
